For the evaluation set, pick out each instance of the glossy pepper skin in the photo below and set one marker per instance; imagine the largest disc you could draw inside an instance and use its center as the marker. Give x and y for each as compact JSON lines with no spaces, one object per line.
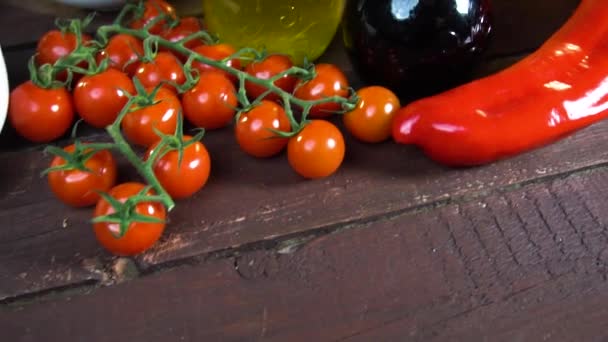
{"x":557,"y":90}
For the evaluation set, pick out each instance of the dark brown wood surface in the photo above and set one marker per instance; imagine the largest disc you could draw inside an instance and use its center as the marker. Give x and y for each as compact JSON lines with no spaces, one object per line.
{"x":393,"y":247}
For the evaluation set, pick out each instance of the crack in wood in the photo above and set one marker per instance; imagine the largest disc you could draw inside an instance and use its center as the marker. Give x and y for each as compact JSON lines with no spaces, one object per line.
{"x":49,"y":294}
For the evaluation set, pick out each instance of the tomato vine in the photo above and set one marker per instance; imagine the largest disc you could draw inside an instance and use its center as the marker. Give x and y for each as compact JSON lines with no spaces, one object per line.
{"x":84,"y":61}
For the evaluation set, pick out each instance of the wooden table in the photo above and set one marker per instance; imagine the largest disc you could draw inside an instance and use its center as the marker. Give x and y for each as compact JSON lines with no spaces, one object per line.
{"x":393,"y":247}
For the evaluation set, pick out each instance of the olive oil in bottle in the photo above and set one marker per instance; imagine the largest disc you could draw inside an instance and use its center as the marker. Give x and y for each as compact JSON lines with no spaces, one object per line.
{"x":299,"y":28}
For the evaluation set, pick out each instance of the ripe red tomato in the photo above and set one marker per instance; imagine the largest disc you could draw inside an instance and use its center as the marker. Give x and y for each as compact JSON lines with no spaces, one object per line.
{"x":317,"y":151}
{"x":186,"y":27}
{"x":99,"y":98}
{"x":164,"y":68}
{"x":329,"y":81}
{"x":183,"y":179}
{"x":54,"y":44}
{"x":79,"y":188}
{"x":152,"y":9}
{"x":140,"y":235}
{"x":123,"y":51}
{"x":253,"y":133}
{"x":371,"y":121}
{"x":138,"y":126}
{"x":211,"y":102}
{"x":266,"y":69}
{"x":40,"y":115}
{"x":217,"y":53}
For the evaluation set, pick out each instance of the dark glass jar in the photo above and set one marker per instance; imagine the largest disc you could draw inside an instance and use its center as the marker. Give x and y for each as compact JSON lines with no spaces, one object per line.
{"x":416,"y":47}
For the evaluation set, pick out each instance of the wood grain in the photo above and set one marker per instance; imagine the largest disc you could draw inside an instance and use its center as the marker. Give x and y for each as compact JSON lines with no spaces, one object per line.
{"x":468,"y":270}
{"x":392,"y":248}
{"x":249,"y":201}
{"x":252,"y":202}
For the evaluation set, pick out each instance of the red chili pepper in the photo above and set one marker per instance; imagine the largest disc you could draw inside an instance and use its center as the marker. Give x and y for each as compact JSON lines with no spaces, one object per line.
{"x":557,"y":90}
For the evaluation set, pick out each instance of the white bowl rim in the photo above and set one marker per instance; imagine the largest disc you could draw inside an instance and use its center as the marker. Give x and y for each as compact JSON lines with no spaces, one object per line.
{"x":4,"y":91}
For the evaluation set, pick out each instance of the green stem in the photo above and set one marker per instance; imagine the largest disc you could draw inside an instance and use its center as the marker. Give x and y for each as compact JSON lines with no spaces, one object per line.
{"x":128,"y":8}
{"x":143,"y":168}
{"x":293,"y":71}
{"x":295,"y":126}
{"x":203,"y":35}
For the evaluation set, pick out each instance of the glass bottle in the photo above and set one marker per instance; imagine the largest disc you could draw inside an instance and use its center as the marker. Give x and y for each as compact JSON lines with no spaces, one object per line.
{"x":299,"y":28}
{"x":416,"y":47}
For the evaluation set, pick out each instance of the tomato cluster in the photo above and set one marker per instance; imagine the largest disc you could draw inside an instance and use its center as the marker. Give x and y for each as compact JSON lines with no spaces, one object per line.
{"x":139,"y":91}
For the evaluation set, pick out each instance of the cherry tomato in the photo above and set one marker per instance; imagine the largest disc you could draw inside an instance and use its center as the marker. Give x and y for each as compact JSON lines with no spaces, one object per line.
{"x":79,"y":188}
{"x":371,"y":121}
{"x":40,"y":115}
{"x":317,"y":151}
{"x":54,"y":44}
{"x":140,"y":235}
{"x":329,"y":81}
{"x":217,"y":52}
{"x":152,"y":9}
{"x":185,"y":28}
{"x":99,"y":98}
{"x":186,"y":24}
{"x":211,"y":102}
{"x":164,"y":68}
{"x":183,"y":179}
{"x":253,"y":133}
{"x":267,"y":68}
{"x":123,"y":51}
{"x":138,"y":126}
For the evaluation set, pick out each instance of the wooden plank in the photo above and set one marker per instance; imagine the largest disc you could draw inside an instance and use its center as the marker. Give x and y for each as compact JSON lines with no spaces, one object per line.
{"x":44,"y":243}
{"x":465,"y":271}
{"x":248,"y":201}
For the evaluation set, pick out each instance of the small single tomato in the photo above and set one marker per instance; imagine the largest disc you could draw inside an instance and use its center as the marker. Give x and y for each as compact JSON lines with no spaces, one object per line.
{"x":138,"y":126}
{"x":317,"y":151}
{"x":211,"y":103}
{"x":217,"y":53}
{"x":164,"y":68}
{"x":79,"y":188}
{"x":152,"y":9}
{"x":40,"y":115}
{"x":139,"y":236}
{"x":186,"y":27}
{"x":183,"y":179}
{"x":123,"y":51}
{"x":371,"y":120}
{"x":266,"y":69}
{"x":99,"y":98}
{"x":329,"y":81}
{"x":253,"y":129}
{"x":56,"y":44}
